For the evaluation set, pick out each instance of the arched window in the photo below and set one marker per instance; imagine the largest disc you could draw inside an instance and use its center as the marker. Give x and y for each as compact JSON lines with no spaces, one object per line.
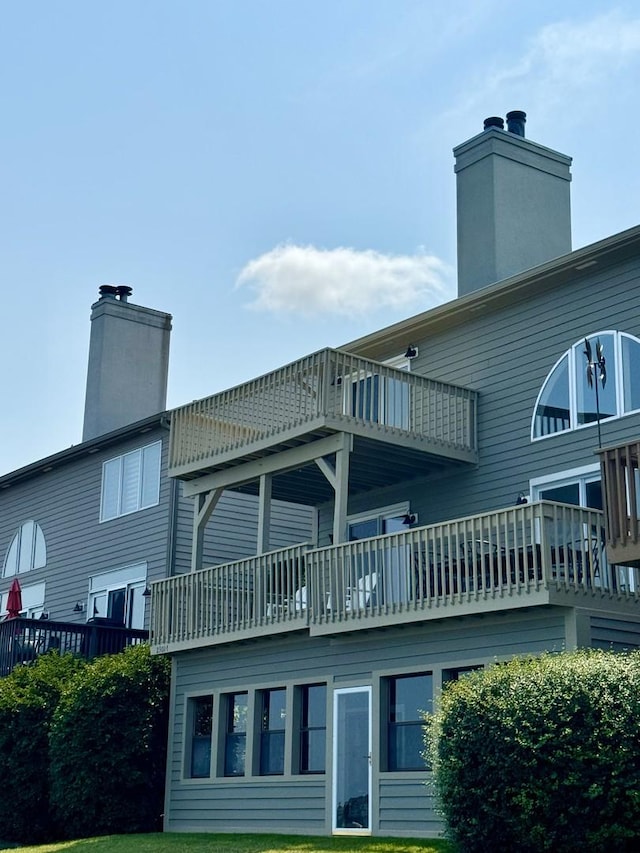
{"x":27,"y":550}
{"x":566,"y":401}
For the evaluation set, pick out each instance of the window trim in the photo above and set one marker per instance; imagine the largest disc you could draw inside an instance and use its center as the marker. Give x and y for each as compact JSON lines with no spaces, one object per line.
{"x":617,"y":378}
{"x":580,"y":475}
{"x":266,"y":732}
{"x":379,"y":514}
{"x":393,"y":726}
{"x":140,"y":484}
{"x":228,"y":699}
{"x":33,"y":598}
{"x":130,"y":578}
{"x":301,"y":729}
{"x":191,"y":704}
{"x":38,"y":534}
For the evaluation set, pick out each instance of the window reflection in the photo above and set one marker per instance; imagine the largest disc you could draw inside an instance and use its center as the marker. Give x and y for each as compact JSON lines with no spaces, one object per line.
{"x":567,"y":401}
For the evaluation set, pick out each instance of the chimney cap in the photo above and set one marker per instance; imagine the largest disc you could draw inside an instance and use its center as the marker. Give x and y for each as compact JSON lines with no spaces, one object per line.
{"x":107,"y":290}
{"x":494,"y":121}
{"x":515,"y":122}
{"x":124,"y":292}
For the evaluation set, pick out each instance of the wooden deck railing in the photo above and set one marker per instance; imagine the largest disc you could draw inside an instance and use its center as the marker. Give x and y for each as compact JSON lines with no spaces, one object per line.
{"x":23,"y":640}
{"x":261,"y":592}
{"x":510,"y":552}
{"x":328,"y":386}
{"x":621,"y":479}
{"x":436,"y":570}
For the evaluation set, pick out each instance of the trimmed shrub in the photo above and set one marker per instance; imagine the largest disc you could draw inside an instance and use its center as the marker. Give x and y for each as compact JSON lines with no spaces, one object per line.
{"x":542,"y":754}
{"x":108,"y":746}
{"x":28,"y":698}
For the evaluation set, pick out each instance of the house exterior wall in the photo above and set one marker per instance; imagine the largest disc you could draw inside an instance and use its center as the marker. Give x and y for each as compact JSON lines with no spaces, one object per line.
{"x":401,"y":803}
{"x":65,"y":502}
{"x":505,"y":354}
{"x":231,"y":533}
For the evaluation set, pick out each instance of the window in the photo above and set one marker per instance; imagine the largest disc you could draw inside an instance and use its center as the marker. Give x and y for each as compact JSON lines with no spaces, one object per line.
{"x":459,"y":672}
{"x":580,"y":487}
{"x":272,"y":728}
{"x":236,"y":734}
{"x":27,"y":550}
{"x":131,"y":482}
{"x":387,"y":520}
{"x":313,"y":728}
{"x":382,"y":573}
{"x":380,"y":397}
{"x":566,"y":401}
{"x":409,"y":697}
{"x":201,"y":714}
{"x":118,"y":595}
{"x":32,"y":600}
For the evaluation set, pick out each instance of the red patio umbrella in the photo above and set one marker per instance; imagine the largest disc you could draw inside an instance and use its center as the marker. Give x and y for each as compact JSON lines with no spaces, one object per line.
{"x":14,"y":600}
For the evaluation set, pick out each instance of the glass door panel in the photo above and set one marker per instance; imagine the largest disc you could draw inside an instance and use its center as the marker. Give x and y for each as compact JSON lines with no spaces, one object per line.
{"x":352,"y":760}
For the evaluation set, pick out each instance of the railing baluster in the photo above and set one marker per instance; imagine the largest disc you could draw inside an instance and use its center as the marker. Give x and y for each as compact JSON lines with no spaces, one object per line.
{"x":383,"y":397}
{"x":518,"y":550}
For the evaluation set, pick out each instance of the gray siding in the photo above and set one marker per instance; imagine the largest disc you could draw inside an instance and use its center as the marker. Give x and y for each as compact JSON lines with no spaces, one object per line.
{"x":231,"y":533}
{"x":402,"y":804}
{"x":65,"y":502}
{"x":506,"y":354}
{"x":614,"y":634}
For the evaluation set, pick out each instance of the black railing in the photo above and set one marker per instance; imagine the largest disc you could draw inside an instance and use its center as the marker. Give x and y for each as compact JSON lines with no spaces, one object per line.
{"x":23,"y":640}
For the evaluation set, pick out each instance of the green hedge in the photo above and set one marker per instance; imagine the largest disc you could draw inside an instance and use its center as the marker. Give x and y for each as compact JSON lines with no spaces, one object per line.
{"x":542,"y":754}
{"x":28,"y":699}
{"x":108,"y":746}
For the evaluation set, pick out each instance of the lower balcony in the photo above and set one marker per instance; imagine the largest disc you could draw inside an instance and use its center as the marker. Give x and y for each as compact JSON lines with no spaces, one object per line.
{"x":23,"y":640}
{"x":537,"y":554}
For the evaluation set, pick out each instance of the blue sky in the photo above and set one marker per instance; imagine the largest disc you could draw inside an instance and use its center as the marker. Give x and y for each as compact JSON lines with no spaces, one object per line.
{"x":277,"y":175}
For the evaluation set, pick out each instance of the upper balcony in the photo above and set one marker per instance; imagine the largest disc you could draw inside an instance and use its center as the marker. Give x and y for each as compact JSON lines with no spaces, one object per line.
{"x":537,"y":554}
{"x":621,"y":479}
{"x":421,"y":421}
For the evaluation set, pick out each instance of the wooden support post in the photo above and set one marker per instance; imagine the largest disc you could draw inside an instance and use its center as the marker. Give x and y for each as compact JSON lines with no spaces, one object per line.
{"x":338,"y":477}
{"x":264,"y":514}
{"x":341,"y":493}
{"x":204,"y":505}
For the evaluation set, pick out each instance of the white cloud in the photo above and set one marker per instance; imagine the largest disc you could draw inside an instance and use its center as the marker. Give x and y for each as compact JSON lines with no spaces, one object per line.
{"x":568,"y":55}
{"x":569,"y":64}
{"x":306,"y":280}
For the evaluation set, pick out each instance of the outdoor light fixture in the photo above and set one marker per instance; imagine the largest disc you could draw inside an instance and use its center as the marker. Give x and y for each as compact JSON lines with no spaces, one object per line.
{"x":79,"y":607}
{"x":147,"y":592}
{"x":411,"y":352}
{"x":522,"y":499}
{"x":409,"y":519}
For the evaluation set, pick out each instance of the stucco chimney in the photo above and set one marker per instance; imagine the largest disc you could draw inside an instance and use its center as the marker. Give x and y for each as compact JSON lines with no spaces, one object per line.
{"x":513,"y":200}
{"x":128,"y":362}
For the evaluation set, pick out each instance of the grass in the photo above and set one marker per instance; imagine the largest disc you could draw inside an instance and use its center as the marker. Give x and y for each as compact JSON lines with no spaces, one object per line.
{"x":211,"y":843}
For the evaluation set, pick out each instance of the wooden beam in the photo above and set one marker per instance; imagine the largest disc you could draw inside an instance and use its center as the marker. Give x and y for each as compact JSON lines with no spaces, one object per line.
{"x":287,"y":460}
{"x":203,"y":506}
{"x":328,"y":470}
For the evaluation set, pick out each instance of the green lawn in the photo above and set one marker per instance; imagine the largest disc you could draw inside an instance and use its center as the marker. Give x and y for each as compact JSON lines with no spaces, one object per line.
{"x":205,"y":843}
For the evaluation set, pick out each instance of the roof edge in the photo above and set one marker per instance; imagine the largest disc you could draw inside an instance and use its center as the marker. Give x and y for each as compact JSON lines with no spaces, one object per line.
{"x":43,"y":466}
{"x":560,"y":270}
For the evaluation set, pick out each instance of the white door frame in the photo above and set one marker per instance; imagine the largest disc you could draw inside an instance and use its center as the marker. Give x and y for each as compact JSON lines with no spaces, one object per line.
{"x":337,"y":694}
